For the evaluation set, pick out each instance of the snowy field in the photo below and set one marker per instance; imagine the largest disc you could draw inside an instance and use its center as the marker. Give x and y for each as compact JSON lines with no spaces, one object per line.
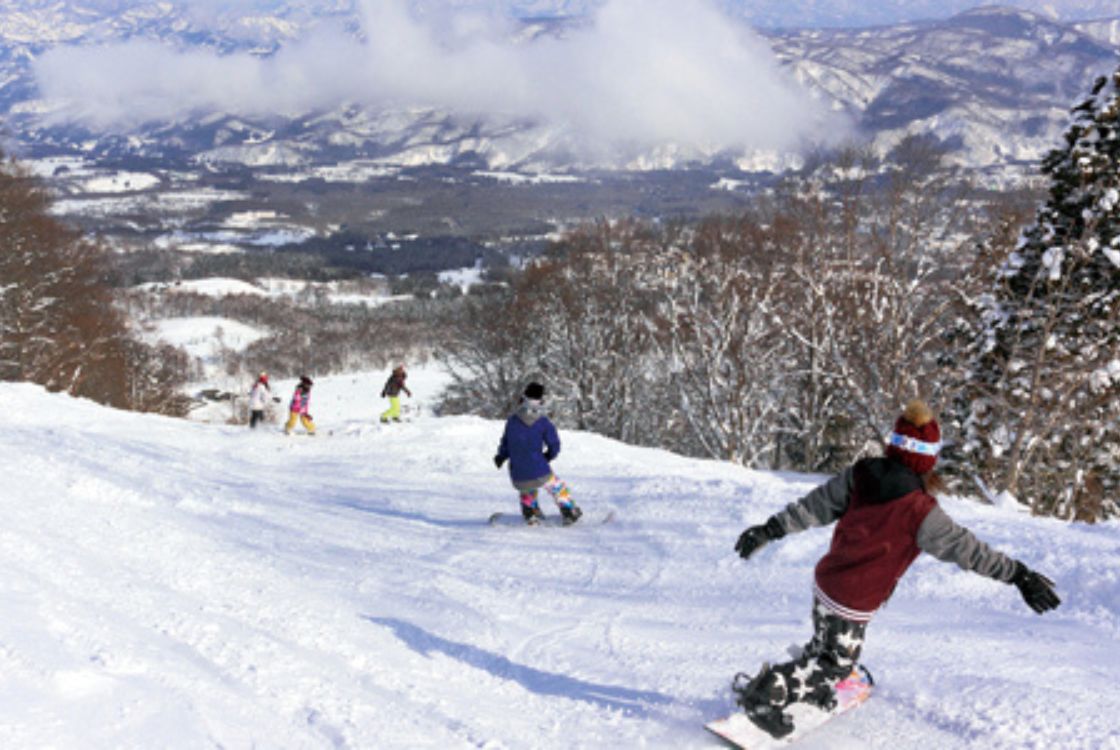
{"x":335,"y":292}
{"x":205,"y":337}
{"x":170,"y":584}
{"x":145,"y":204}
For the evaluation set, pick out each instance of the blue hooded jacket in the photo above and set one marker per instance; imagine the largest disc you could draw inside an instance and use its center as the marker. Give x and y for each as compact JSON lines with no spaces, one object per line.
{"x":527,"y":432}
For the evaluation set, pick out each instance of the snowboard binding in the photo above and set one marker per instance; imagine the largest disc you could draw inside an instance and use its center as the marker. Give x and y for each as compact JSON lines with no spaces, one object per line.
{"x":532,"y":514}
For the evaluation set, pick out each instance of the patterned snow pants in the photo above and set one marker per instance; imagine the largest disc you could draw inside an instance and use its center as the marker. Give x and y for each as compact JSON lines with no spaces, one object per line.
{"x":828,"y":658}
{"x":559,"y":491}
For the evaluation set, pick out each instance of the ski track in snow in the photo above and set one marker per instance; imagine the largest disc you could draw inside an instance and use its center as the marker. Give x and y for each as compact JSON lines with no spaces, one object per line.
{"x":174,"y":584}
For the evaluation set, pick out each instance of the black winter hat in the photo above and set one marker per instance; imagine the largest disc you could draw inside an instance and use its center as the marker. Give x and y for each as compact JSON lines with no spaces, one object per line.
{"x":534,"y":391}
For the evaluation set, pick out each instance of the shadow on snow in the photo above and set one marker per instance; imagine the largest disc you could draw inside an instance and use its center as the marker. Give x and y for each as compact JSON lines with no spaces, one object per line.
{"x":376,"y":508}
{"x":634,"y":702}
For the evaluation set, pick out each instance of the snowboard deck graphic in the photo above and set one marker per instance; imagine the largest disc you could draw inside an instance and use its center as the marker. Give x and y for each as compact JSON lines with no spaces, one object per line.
{"x":553,"y":519}
{"x":740,"y":732}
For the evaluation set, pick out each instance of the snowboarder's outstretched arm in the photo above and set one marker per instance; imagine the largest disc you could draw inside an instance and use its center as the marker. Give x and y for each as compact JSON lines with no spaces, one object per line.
{"x":947,"y":540}
{"x":820,"y":507}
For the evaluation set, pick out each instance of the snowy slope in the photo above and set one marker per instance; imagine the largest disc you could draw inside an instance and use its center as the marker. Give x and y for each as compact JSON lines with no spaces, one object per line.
{"x":172,"y":584}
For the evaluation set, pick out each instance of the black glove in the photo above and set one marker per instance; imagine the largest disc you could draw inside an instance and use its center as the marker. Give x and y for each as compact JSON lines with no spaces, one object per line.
{"x":498,"y":461}
{"x":1037,"y":589}
{"x":757,"y":537}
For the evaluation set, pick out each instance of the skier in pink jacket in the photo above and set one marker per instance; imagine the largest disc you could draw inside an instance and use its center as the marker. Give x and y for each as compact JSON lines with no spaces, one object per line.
{"x":298,"y":409}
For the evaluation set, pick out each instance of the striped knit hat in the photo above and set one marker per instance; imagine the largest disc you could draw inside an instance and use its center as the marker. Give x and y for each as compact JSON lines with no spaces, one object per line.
{"x":916,"y":439}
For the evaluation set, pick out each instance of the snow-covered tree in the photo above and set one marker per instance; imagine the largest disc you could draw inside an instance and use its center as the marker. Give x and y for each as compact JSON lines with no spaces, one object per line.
{"x":573,"y":320}
{"x":871,"y":248}
{"x":491,"y":352}
{"x":725,"y":348}
{"x":785,"y":337}
{"x":1042,"y":420}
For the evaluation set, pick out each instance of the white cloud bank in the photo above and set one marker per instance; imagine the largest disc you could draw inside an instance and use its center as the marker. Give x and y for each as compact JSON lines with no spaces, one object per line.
{"x":641,"y":73}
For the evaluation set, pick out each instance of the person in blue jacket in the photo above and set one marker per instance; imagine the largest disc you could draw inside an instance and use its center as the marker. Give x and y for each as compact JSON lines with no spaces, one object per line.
{"x":530,"y":443}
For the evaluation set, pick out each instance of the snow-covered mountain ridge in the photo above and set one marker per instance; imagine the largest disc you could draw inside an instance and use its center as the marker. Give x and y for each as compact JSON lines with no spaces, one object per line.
{"x":179,"y":585}
{"x":789,"y":14}
{"x":994,"y":84}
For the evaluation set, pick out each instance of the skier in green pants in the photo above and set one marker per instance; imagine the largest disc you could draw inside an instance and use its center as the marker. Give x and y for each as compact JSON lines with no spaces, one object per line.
{"x":392,"y":390}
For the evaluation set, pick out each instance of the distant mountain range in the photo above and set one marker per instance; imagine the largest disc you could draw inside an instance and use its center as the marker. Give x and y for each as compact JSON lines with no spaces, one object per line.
{"x":759,"y":13}
{"x":993,"y":84}
{"x":860,"y":13}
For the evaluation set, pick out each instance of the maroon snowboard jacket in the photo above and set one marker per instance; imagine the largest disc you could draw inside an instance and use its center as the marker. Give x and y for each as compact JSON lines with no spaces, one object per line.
{"x":885,"y":519}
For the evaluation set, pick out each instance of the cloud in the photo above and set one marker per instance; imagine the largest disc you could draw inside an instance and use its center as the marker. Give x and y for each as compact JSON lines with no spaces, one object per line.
{"x":638,"y":74}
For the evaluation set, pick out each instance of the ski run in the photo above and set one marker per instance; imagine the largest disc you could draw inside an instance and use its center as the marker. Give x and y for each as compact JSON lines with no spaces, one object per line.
{"x":175,"y":584}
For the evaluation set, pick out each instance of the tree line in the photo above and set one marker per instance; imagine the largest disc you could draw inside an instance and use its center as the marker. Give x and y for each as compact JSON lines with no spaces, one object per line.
{"x":60,"y":324}
{"x":783,"y":337}
{"x":307,"y":332}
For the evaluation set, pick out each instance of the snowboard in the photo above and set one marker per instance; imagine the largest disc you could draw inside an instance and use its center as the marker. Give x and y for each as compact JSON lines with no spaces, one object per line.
{"x":740,"y":732}
{"x":553,"y":519}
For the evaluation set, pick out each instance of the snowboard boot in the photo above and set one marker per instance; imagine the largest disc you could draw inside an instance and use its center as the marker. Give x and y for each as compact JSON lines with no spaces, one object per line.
{"x":822,"y":696}
{"x":571,"y":513}
{"x":761,"y":697}
{"x":532,"y":514}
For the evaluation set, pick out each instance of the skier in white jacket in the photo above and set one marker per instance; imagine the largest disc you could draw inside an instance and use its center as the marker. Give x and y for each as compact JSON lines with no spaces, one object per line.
{"x":258,"y":399}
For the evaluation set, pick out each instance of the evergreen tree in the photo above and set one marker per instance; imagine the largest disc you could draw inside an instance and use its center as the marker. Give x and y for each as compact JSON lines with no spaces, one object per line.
{"x":1041,"y":419}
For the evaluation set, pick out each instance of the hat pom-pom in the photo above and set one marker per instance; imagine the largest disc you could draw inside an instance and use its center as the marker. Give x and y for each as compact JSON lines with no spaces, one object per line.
{"x":917,"y":413}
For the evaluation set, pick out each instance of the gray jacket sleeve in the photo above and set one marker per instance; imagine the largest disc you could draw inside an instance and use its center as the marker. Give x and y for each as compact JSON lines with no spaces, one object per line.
{"x":820,"y":507}
{"x":946,"y":540}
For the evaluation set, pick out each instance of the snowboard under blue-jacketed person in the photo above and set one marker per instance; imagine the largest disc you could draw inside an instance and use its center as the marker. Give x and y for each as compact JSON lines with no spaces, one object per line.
{"x":885,"y":517}
{"x":530,"y":443}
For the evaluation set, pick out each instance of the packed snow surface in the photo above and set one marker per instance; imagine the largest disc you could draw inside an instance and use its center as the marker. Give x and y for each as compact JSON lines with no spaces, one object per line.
{"x":171,"y":584}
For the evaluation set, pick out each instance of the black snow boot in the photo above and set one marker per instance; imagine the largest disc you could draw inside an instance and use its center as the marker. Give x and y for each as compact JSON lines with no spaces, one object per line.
{"x":571,"y":513}
{"x":761,"y":697}
{"x":532,"y":514}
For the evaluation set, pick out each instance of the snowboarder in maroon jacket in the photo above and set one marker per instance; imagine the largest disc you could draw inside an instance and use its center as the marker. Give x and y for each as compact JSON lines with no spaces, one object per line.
{"x":885,"y":517}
